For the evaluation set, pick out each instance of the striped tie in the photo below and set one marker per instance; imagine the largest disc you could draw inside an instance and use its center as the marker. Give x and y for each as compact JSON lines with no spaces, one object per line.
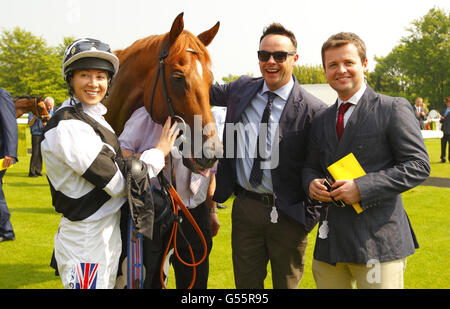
{"x":257,"y":173}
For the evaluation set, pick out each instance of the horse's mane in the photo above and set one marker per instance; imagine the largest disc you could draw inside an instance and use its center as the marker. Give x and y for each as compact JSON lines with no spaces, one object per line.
{"x":28,"y":97}
{"x":25,"y":97}
{"x":147,"y":46}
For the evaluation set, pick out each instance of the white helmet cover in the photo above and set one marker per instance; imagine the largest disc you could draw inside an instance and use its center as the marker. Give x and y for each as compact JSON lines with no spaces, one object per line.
{"x":88,"y":48}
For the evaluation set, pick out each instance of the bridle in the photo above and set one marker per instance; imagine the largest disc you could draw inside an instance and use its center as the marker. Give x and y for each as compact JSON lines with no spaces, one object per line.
{"x":161,"y":73}
{"x":176,"y":201}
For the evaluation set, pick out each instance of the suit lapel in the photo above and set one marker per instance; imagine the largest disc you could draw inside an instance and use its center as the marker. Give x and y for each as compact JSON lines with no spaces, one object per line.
{"x":330,"y":130}
{"x":291,"y":109}
{"x":363,"y":109}
{"x":246,"y":97}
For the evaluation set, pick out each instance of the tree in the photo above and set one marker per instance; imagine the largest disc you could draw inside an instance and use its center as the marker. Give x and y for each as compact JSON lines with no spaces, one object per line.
{"x":28,"y":66}
{"x":388,"y":77}
{"x":310,"y":74}
{"x":230,"y":78}
{"x":426,"y":54}
{"x":419,"y":65}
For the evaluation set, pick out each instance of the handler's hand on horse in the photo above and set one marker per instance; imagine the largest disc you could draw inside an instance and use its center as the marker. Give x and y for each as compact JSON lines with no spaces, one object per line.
{"x":168,"y":136}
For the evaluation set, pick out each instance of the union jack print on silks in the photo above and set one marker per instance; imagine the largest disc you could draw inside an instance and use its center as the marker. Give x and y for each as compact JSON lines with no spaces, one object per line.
{"x":86,"y":277}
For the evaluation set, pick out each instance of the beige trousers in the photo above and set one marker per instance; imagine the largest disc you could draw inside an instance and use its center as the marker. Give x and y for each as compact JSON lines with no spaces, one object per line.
{"x":373,"y":275}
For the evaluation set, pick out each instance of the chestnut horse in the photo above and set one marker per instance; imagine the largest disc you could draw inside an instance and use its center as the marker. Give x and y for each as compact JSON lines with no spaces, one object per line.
{"x":35,"y":105}
{"x":171,"y":75}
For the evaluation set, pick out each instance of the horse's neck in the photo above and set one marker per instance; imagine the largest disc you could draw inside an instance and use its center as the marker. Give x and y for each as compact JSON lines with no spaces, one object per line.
{"x":20,"y":112}
{"x":149,"y":44}
{"x":22,"y":108}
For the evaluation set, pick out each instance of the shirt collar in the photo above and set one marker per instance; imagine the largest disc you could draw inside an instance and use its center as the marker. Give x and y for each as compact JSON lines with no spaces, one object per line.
{"x":356,"y":97}
{"x":97,"y":109}
{"x":283,"y":92}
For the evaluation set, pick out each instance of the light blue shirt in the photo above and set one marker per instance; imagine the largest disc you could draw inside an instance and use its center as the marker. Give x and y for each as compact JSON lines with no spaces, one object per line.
{"x":247,"y":137}
{"x":37,"y":127}
{"x":447,"y":111}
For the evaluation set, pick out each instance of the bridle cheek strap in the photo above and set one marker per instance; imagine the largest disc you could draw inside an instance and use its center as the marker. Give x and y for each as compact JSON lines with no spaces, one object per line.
{"x":160,"y":72}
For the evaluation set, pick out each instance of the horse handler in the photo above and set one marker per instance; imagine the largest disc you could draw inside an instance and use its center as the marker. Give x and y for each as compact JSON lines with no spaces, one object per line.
{"x":141,"y":132}
{"x":84,"y":169}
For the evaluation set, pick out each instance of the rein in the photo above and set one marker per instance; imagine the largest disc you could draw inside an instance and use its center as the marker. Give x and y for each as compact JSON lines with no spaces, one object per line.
{"x":177,"y":203}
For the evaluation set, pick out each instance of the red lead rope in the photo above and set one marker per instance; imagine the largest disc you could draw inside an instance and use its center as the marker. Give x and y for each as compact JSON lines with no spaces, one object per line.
{"x":178,"y":202}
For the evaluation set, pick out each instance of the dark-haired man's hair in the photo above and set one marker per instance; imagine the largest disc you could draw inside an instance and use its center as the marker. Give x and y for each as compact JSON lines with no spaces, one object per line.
{"x":276,"y":28}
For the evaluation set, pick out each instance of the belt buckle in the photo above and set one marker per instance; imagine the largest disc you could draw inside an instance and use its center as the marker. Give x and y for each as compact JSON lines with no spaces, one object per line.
{"x":266,"y":199}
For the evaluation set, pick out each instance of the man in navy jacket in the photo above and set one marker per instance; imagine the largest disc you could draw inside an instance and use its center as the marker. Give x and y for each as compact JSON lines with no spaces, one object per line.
{"x":262,"y":165}
{"x":8,"y":152}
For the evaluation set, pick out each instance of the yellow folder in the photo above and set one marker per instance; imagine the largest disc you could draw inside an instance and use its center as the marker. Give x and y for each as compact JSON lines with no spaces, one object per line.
{"x":347,"y":168}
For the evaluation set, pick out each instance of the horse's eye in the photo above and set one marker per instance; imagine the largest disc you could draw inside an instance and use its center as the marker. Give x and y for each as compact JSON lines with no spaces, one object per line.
{"x":178,"y":75}
{"x":179,"y":80}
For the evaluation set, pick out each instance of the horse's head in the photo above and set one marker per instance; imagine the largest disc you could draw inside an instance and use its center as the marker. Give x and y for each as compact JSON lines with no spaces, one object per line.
{"x":171,"y":77}
{"x":31,"y":104}
{"x":40,"y":109}
{"x":188,"y":77}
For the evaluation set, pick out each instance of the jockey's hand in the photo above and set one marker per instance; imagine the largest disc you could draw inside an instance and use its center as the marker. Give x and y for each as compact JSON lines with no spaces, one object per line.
{"x":168,"y":136}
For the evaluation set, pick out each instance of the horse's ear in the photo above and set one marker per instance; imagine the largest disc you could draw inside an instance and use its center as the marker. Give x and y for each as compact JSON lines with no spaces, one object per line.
{"x":177,"y":28}
{"x":117,"y":52}
{"x":207,"y":36}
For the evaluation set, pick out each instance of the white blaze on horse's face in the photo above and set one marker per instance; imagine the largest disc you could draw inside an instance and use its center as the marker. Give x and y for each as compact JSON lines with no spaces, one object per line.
{"x":197,"y":62}
{"x":199,"y":68}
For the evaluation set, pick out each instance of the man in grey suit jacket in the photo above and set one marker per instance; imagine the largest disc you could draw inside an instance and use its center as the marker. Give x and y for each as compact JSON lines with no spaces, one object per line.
{"x":369,"y":248}
{"x":270,"y":217}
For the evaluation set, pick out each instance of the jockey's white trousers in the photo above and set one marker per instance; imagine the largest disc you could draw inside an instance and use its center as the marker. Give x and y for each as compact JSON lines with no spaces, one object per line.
{"x":88,"y":253}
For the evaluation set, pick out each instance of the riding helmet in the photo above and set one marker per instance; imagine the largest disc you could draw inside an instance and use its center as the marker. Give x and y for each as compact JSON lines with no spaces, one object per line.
{"x":89,"y":54}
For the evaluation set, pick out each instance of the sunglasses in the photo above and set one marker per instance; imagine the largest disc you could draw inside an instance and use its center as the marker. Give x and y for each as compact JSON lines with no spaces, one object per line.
{"x":278,"y":56}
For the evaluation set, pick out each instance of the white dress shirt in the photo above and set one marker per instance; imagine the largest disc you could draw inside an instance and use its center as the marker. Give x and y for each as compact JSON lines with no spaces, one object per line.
{"x":354,"y":101}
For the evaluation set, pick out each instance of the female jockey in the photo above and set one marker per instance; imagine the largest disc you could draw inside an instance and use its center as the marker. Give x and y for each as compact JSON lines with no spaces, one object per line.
{"x":84,"y":169}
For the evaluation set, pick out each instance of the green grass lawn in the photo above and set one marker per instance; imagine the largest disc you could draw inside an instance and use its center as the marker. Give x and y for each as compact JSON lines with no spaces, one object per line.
{"x":434,"y":151}
{"x":24,"y":262}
